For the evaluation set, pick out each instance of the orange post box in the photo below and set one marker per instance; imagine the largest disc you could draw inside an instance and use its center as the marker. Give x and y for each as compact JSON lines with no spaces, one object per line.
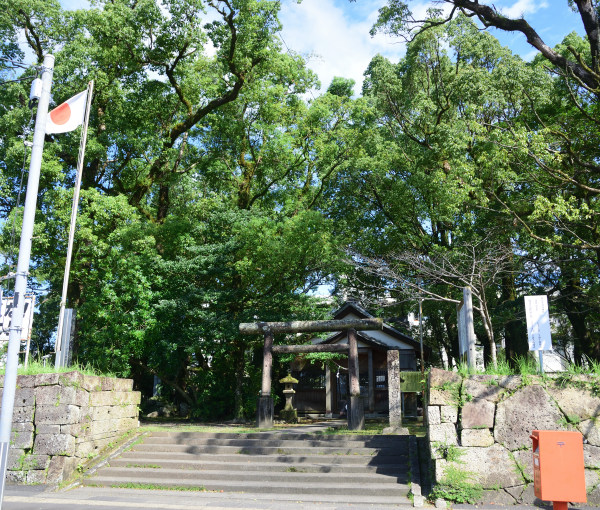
{"x":558,"y":468}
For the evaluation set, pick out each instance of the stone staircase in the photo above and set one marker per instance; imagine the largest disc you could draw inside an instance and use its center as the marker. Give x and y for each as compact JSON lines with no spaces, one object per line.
{"x":279,"y":466}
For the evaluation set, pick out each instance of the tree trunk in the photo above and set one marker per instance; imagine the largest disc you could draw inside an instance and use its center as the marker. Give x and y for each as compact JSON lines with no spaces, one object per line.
{"x":515,"y":330}
{"x":239,"y":362}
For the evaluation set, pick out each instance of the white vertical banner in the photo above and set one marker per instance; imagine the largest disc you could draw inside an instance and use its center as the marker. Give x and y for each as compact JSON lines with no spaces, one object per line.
{"x":538,"y":323}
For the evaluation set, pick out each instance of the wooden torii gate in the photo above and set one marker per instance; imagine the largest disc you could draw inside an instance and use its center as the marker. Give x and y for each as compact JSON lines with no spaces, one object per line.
{"x":356,"y":417}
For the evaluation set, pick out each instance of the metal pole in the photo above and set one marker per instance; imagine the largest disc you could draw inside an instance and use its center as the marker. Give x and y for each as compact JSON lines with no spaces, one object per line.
{"x":74,"y":207}
{"x":14,"y":336}
{"x":421,"y":334}
{"x":541,"y":354}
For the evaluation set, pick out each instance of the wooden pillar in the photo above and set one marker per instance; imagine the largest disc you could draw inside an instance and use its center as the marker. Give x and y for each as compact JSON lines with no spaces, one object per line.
{"x":265,"y":402}
{"x":371,"y":381}
{"x":353,"y":363}
{"x":328,"y":393}
{"x":356,"y":415}
{"x":394,"y":394}
{"x":267,"y":364}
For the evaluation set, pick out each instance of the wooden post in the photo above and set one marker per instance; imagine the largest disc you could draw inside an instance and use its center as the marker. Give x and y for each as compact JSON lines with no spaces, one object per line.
{"x":267,"y":364}
{"x":328,"y":392}
{"x":265,"y":402}
{"x":356,"y":415}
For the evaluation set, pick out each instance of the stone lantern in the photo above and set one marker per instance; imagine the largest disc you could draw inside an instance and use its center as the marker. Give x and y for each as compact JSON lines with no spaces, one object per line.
{"x":289,"y":414}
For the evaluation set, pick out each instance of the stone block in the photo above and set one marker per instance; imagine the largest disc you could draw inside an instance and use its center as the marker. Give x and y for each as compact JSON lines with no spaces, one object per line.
{"x":90,"y":448}
{"x":439,"y":469}
{"x":88,"y":436}
{"x":54,"y":444}
{"x":26,"y":381}
{"x":575,"y":402}
{"x":524,"y":459}
{"x":449,"y":414}
{"x":61,"y":468}
{"x":510,"y":382}
{"x":15,"y":459}
{"x":593,"y":490}
{"x":112,"y":384}
{"x":478,"y":414}
{"x":23,"y":414}
{"x":491,"y":467}
{"x":484,"y":387}
{"x":443,"y":387}
{"x":71,"y":379}
{"x":36,"y":476}
{"x":47,"y":429}
{"x":516,"y":492}
{"x":24,"y":397}
{"x":433,"y":415}
{"x":92,"y":383}
{"x":46,"y":379}
{"x":591,"y":431}
{"x":21,"y":435}
{"x":100,"y":427}
{"x":107,"y":384}
{"x":476,"y":437}
{"x":444,"y":433}
{"x":108,"y":398}
{"x":591,"y":479}
{"x":591,"y":456}
{"x":499,"y":498}
{"x":114,"y":412}
{"x":515,"y":420}
{"x":33,"y":461}
{"x":51,"y":395}
{"x":62,"y":414}
{"x":418,"y":501}
{"x":16,"y":477}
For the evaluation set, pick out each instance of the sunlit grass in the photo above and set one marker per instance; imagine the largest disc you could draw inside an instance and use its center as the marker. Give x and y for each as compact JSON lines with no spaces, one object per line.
{"x":36,"y":367}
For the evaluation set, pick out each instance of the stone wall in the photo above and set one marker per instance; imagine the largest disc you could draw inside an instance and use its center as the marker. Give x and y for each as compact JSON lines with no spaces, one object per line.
{"x":63,"y":420}
{"x":480,"y":426}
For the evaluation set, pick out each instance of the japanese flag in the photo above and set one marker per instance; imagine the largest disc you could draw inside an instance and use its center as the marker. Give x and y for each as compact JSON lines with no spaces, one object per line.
{"x":67,"y":116}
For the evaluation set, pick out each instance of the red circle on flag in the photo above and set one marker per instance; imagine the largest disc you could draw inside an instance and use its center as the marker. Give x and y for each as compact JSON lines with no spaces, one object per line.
{"x":61,"y":114}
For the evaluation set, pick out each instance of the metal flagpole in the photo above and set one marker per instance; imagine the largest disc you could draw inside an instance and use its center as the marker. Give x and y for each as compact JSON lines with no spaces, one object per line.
{"x":74,"y":207}
{"x":16,"y":324}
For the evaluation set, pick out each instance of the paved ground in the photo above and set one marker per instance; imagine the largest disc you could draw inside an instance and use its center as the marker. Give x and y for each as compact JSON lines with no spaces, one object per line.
{"x":91,"y":498}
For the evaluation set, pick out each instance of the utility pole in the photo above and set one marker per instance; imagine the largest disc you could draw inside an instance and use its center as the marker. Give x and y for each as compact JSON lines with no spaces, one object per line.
{"x":16,"y":324}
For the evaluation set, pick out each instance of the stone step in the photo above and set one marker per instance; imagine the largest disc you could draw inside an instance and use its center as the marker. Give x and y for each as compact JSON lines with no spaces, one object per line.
{"x":153,"y":454}
{"x":276,"y":442}
{"x":387,"y":439}
{"x":292,"y":477}
{"x":287,"y":467}
{"x":399,"y":491}
{"x":132,"y":459}
{"x":257,"y":449}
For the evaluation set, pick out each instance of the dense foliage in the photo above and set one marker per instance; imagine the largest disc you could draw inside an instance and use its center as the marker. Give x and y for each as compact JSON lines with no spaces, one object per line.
{"x":214,"y":192}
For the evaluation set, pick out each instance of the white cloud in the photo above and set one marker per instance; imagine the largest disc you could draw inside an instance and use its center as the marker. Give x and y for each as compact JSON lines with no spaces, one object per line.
{"x":523,"y":7}
{"x":336,"y":41}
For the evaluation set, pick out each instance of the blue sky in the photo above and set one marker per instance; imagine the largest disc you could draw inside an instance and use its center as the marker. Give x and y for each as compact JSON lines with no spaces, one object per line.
{"x":335,"y":33}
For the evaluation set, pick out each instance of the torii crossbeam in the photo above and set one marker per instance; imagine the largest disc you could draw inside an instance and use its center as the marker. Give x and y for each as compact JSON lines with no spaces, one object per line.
{"x":356,"y":420}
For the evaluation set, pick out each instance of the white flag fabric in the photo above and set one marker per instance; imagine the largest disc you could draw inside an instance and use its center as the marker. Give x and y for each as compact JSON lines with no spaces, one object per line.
{"x":67,"y":116}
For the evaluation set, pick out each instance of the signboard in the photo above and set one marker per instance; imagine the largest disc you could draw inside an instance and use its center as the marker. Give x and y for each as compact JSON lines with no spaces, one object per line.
{"x":538,"y":323}
{"x":6,"y":306}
